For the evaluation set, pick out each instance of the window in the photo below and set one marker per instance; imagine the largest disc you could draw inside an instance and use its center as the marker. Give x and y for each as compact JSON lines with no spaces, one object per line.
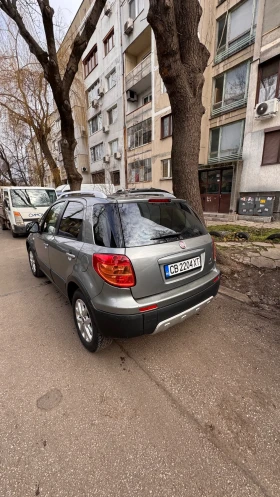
{"x":140,"y":170}
{"x":235,"y":27}
{"x":115,"y":177}
{"x":230,"y":87}
{"x":140,"y":134}
{"x":96,"y":153}
{"x":51,"y":218}
{"x":271,"y":150}
{"x":95,"y":124}
{"x":147,"y":99}
{"x":269,"y":80}
{"x":90,"y":61}
{"x":135,"y":7}
{"x":226,"y":140}
{"x":163,"y":87}
{"x":166,"y":168}
{"x":109,"y":42}
{"x":114,"y":146}
{"x":72,"y":221}
{"x":112,"y":115}
{"x":98,"y":178}
{"x":166,"y":126}
{"x":111,"y":80}
{"x":32,"y":197}
{"x":92,"y":92}
{"x":107,"y":227}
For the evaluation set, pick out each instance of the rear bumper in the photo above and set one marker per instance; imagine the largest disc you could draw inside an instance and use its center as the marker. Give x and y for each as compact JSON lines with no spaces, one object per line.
{"x":133,"y":325}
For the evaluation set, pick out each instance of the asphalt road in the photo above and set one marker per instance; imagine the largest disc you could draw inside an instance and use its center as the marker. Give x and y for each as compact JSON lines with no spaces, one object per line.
{"x":194,"y":412}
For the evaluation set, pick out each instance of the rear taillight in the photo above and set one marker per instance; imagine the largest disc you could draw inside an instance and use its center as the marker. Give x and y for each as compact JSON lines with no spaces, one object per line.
{"x":214,"y":251}
{"x":116,"y":270}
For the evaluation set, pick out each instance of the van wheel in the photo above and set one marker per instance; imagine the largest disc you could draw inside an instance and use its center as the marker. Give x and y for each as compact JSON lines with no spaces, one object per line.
{"x":88,"y":332}
{"x":4,"y":226}
{"x":34,"y":266}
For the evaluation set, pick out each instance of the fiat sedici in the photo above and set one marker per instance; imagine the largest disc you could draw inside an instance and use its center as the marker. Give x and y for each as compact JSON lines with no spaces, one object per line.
{"x":131,"y":264}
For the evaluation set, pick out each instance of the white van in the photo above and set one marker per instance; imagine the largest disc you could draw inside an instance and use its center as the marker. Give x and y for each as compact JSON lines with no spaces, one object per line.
{"x":21,"y":204}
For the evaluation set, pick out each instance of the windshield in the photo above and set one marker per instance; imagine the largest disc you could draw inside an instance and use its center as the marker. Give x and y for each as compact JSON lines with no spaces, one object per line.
{"x":32,"y":198}
{"x":136,"y":224}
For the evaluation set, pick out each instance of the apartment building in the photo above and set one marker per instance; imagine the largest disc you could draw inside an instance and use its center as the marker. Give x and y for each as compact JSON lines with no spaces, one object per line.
{"x":261,"y":150}
{"x":103,"y":80}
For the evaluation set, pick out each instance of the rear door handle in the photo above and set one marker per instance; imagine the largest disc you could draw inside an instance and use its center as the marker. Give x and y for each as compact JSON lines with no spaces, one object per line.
{"x":70,"y":256}
{"x":46,"y":245}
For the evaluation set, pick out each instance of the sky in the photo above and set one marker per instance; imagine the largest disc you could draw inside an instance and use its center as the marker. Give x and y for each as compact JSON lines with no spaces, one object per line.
{"x":68,"y":8}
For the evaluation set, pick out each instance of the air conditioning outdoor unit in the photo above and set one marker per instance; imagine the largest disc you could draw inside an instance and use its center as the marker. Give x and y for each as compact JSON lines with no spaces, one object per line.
{"x":106,"y":128}
{"x":117,"y":155}
{"x":131,"y":96}
{"x":84,"y":169}
{"x":106,"y":159}
{"x":128,"y":27}
{"x":267,"y":109}
{"x":107,"y":10}
{"x":94,"y":104}
{"x":100,"y":91}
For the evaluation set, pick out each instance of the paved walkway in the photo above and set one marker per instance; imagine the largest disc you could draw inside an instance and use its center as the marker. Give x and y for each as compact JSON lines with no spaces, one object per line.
{"x":273,"y":225}
{"x":258,"y":254}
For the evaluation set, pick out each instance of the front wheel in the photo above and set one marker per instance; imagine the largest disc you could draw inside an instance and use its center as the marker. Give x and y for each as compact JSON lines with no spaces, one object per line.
{"x":4,"y":226}
{"x":88,"y":332}
{"x":14,"y":235}
{"x":34,"y":266}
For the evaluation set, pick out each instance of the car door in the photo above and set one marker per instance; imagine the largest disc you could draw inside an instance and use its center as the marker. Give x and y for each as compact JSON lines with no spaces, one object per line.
{"x":67,"y":243}
{"x":43,"y":240}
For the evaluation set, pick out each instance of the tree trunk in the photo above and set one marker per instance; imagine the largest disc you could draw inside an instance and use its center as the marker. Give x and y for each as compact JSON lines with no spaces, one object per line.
{"x":50,"y":160}
{"x":182,"y":62}
{"x":68,"y":145}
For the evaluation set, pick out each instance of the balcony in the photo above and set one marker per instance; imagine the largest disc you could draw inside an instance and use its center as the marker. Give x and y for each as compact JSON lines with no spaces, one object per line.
{"x":223,"y":109}
{"x":237,"y":45}
{"x":140,"y":76}
{"x":226,"y":158}
{"x":140,"y":114}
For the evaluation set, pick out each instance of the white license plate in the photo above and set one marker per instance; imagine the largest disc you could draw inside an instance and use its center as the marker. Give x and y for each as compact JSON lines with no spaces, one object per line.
{"x":182,"y":267}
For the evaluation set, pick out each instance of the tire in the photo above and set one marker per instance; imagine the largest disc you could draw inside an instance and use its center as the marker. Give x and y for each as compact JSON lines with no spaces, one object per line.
{"x":4,"y":226}
{"x":14,"y":235}
{"x":34,"y":266}
{"x":88,"y":332}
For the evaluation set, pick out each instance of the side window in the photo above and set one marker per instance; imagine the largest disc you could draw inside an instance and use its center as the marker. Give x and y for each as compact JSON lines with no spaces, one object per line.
{"x":72,"y":221}
{"x":106,"y":226}
{"x":51,"y":218}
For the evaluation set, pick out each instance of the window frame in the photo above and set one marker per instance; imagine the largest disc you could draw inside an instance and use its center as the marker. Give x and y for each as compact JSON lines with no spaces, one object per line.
{"x":149,"y":96}
{"x":95,"y":173}
{"x":111,"y":111}
{"x":94,"y":147}
{"x":92,"y":55}
{"x":266,"y":132}
{"x":170,"y":126}
{"x":224,"y":75}
{"x":169,"y":167}
{"x":116,"y":140}
{"x":139,"y":133}
{"x":79,"y":238}
{"x":106,"y":41}
{"x":96,"y":84}
{"x":108,"y":77}
{"x":112,"y":173}
{"x":99,"y":119}
{"x":137,"y":10}
{"x":42,"y":221}
{"x":260,"y":68}
{"x":219,"y":157}
{"x":142,"y":163}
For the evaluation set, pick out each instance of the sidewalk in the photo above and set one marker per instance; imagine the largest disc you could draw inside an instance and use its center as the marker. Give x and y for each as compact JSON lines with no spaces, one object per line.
{"x":258,"y":254}
{"x":273,"y":225}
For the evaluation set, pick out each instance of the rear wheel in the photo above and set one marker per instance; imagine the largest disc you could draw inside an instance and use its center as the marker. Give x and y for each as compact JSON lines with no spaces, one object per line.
{"x":87,"y":329}
{"x":34,"y":266}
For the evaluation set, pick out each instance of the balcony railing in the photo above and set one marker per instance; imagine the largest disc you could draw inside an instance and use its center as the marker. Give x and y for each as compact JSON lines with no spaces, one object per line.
{"x":227,"y":108}
{"x":225,"y":158}
{"x":139,"y":72}
{"x":236,"y":46}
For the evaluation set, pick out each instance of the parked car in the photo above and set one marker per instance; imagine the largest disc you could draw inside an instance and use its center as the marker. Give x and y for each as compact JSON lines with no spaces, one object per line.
{"x":20,"y":204}
{"x":105,"y":188}
{"x":130,"y":264}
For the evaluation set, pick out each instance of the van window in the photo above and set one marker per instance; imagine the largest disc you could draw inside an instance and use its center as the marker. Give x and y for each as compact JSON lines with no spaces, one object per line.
{"x":32,"y":198}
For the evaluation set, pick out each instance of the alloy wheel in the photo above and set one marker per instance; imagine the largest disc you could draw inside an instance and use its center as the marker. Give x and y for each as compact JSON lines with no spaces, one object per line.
{"x":32,"y":262}
{"x":83,"y":320}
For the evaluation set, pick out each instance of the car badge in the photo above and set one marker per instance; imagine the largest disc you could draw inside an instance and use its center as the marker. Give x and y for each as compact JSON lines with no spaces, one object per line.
{"x":182,"y":245}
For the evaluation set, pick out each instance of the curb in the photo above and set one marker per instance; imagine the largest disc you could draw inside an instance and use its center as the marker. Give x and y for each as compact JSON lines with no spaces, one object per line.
{"x":241,"y":297}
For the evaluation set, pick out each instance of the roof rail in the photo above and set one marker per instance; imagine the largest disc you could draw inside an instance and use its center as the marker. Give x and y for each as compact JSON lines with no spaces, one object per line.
{"x":84,"y":193}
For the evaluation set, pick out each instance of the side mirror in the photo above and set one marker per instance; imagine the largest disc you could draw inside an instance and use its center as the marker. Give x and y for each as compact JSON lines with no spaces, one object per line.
{"x":32,"y":227}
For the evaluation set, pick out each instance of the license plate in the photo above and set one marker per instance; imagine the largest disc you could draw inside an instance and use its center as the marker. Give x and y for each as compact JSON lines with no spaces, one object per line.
{"x":182,"y":267}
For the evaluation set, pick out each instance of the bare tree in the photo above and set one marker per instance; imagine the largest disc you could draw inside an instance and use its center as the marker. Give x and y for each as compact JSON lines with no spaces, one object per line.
{"x":60,"y":83}
{"x":14,"y":156}
{"x":182,"y":62}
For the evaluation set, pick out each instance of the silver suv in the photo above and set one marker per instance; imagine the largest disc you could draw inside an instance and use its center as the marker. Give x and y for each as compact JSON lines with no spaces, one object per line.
{"x":134,"y":263}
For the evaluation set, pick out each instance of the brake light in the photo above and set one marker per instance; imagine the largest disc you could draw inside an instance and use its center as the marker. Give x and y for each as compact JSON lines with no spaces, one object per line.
{"x":159,"y":200}
{"x":116,"y":270}
{"x":214,"y":251}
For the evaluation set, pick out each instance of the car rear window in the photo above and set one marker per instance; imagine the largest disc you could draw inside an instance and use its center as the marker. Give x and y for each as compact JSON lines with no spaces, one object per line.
{"x":137,"y":224}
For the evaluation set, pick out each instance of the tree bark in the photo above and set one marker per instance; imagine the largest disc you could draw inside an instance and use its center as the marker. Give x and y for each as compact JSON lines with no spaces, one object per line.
{"x":49,"y":158}
{"x":182,"y":62}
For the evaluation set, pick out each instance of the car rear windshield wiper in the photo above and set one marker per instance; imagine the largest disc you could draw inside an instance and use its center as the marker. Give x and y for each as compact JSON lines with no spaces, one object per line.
{"x":189,"y":231}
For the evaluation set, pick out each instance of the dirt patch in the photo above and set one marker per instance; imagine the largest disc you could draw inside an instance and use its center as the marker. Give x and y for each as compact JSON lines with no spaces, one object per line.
{"x":262,"y":285}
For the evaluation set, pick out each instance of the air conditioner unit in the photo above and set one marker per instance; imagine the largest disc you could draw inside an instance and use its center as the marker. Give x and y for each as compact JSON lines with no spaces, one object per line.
{"x":131,"y":96}
{"x":117,"y":155}
{"x":267,"y":109}
{"x":106,"y":128}
{"x":84,"y":169}
{"x":100,"y":91}
{"x":107,"y":10}
{"x":128,"y":27}
{"x":94,"y":104}
{"x":106,"y":159}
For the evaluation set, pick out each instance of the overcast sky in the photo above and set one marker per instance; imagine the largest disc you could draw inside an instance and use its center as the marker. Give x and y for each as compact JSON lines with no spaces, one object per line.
{"x":68,"y":8}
